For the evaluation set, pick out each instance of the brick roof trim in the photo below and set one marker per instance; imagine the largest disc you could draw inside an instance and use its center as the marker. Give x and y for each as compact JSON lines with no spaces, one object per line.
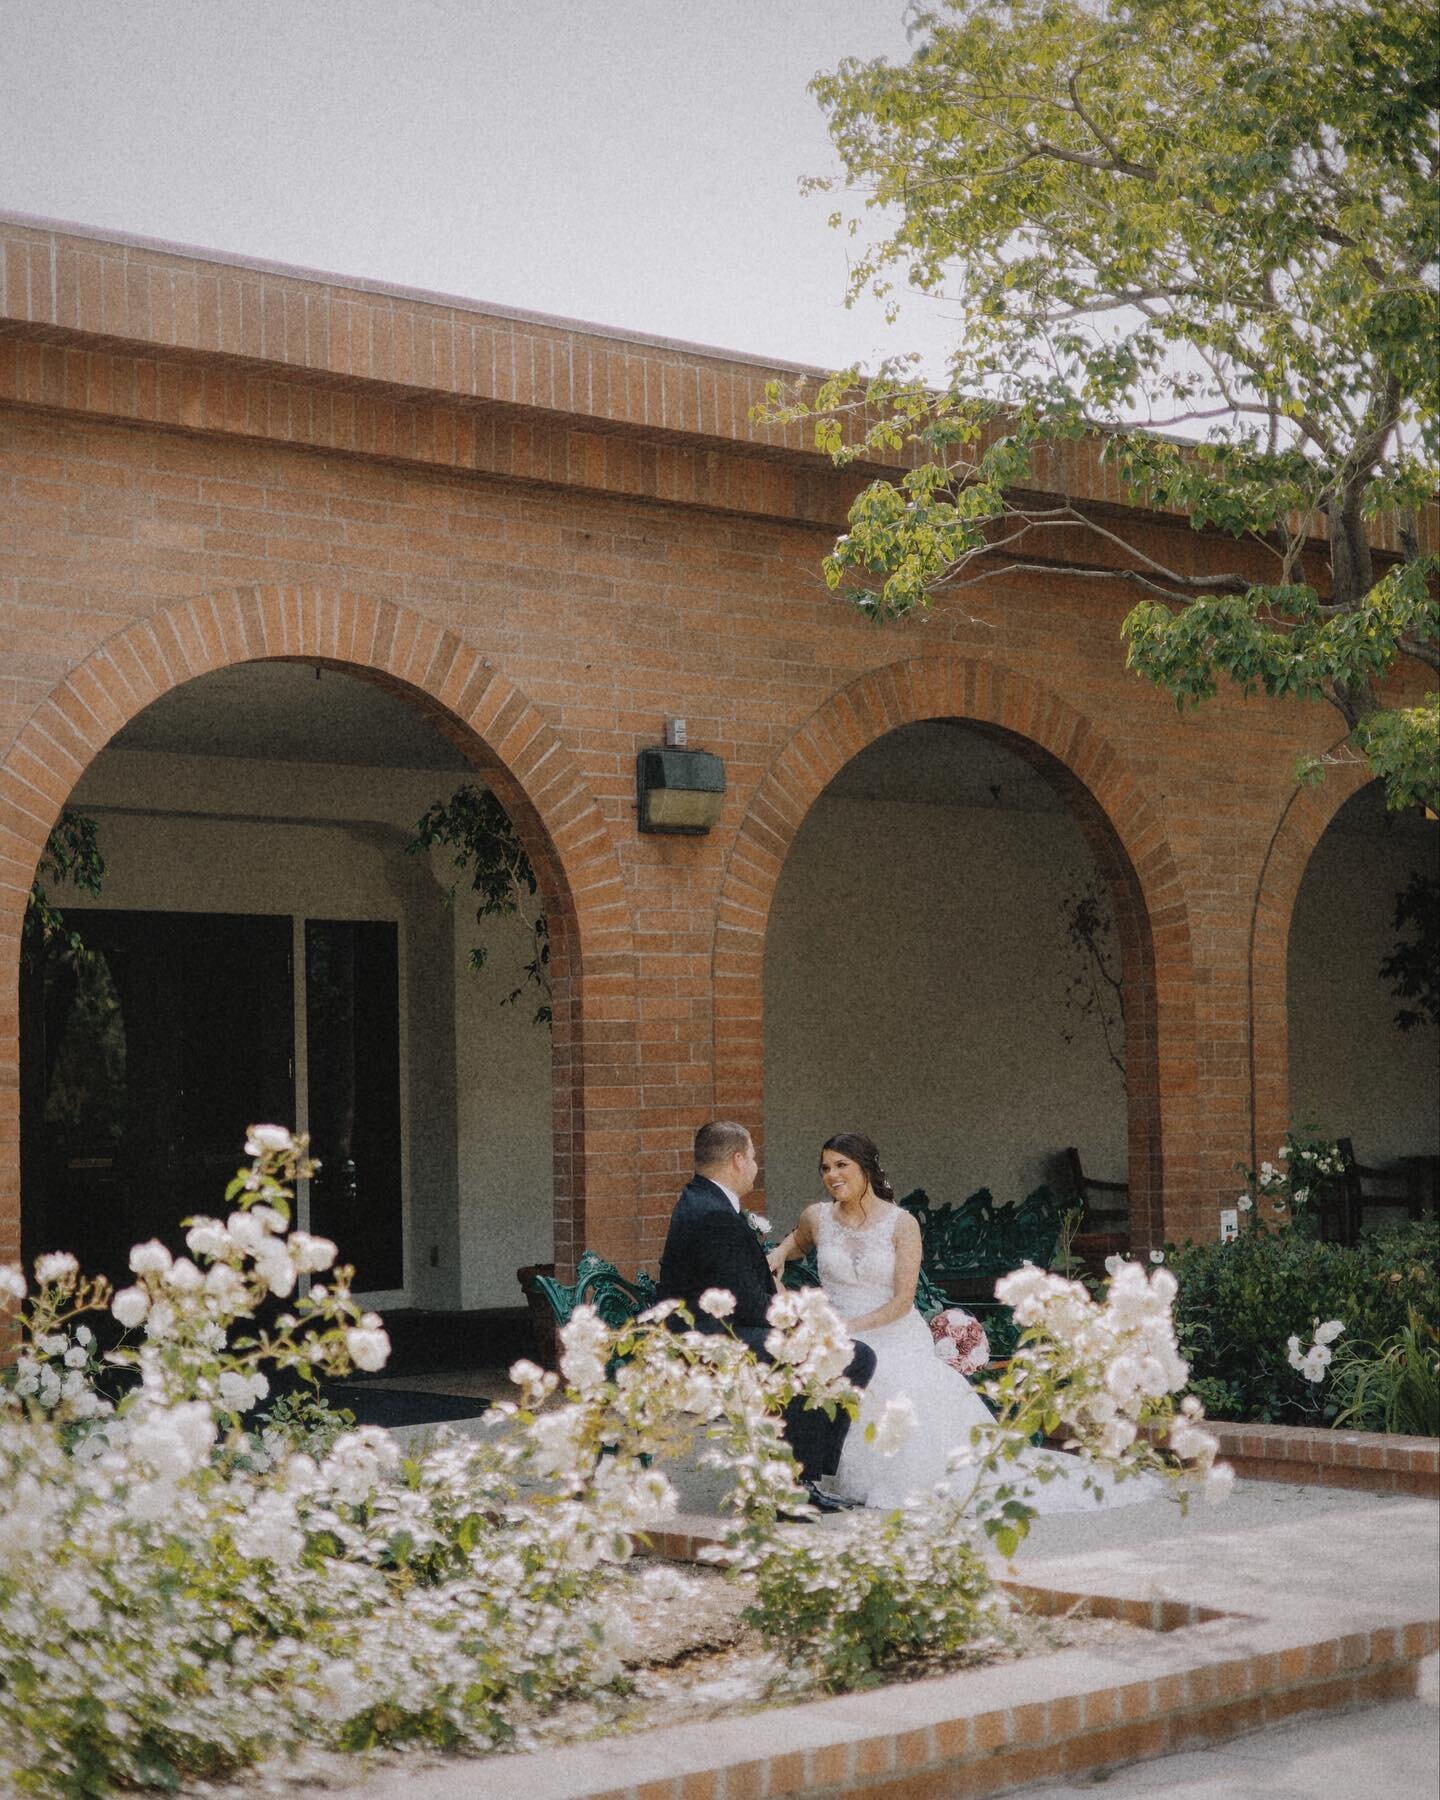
{"x":75,"y":285}
{"x":364,"y":284}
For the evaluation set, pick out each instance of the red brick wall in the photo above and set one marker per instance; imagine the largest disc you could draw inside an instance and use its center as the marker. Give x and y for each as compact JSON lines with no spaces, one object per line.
{"x":550,"y":572}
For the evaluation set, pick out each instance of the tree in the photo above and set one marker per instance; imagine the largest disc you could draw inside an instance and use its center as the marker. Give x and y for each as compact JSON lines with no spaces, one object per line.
{"x":1204,"y":237}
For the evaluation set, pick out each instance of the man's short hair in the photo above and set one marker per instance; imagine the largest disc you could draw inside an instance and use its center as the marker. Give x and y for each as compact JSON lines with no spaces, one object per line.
{"x":718,"y":1141}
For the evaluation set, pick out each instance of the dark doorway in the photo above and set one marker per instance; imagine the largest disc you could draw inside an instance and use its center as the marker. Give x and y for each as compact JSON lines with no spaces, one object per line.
{"x":145,"y":1059}
{"x":352,"y":1048}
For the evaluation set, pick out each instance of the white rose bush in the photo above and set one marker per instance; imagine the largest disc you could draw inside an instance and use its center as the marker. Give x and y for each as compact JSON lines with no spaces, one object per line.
{"x":1104,"y":1376}
{"x":185,"y":1592}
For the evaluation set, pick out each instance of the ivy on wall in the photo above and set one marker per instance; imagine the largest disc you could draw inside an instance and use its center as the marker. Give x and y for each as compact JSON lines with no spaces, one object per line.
{"x":484,"y":845}
{"x":71,"y":855}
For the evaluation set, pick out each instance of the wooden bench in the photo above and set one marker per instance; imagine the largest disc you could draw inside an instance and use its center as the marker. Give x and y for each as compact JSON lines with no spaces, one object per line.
{"x":1342,"y":1202}
{"x":1105,"y":1206}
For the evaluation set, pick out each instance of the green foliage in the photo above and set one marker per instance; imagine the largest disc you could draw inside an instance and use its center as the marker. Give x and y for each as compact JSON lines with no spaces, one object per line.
{"x":1391,"y":1386}
{"x":304,"y":1423}
{"x":477,"y":829}
{"x":846,"y":1607}
{"x":1413,"y":966}
{"x":1239,"y":1302}
{"x":71,"y":855}
{"x":1206,"y":239}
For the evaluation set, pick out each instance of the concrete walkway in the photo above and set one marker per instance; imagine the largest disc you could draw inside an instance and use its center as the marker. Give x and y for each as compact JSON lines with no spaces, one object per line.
{"x":1273,"y":1550}
{"x":1271,"y":1540}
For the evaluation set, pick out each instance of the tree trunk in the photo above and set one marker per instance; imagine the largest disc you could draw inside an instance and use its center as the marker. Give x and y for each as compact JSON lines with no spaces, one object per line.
{"x":1352,"y":576}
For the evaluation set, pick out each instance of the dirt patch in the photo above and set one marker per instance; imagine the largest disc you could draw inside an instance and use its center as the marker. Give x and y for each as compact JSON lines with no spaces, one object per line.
{"x":700,"y":1660}
{"x":696,"y":1659}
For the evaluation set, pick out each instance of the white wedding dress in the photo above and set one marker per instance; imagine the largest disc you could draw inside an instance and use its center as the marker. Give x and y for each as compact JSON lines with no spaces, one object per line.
{"x":857,"y":1272}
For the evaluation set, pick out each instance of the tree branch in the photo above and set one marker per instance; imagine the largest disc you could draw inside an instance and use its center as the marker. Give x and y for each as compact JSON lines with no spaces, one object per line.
{"x":1426,"y":651}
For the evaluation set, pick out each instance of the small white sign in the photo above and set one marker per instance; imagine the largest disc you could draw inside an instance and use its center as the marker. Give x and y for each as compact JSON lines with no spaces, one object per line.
{"x":1229,"y":1225}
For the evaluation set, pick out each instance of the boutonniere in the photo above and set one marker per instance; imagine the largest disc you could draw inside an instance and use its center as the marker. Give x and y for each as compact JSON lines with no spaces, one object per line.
{"x":759,"y":1224}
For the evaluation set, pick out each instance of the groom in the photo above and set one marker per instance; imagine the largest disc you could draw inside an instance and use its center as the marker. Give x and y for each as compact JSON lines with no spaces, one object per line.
{"x":710,"y":1245}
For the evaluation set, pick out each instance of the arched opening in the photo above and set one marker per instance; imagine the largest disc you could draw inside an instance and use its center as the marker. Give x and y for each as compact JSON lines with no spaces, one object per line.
{"x":267,"y":943}
{"x":958,"y":962}
{"x":1354,"y":1071}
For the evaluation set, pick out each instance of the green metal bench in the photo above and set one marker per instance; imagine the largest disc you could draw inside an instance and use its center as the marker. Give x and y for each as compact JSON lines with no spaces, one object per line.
{"x":617,"y":1298}
{"x":965,"y":1249}
{"x":599,"y":1284}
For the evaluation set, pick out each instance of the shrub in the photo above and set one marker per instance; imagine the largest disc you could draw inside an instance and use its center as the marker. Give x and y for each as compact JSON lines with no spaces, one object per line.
{"x":846,"y":1606}
{"x":1391,"y":1386}
{"x":1239,"y":1302}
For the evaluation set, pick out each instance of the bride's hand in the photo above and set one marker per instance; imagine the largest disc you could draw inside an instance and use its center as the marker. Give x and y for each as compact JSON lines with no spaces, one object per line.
{"x":777,"y":1263}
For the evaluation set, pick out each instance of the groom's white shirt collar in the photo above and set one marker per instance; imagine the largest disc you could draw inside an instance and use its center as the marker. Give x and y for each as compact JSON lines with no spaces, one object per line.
{"x":731,"y":1196}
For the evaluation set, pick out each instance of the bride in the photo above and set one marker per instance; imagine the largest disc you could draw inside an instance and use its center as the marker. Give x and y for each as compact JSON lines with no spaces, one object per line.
{"x":868,"y":1252}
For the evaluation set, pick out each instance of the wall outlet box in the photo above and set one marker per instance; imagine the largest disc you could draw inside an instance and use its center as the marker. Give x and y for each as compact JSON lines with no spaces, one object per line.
{"x":1229,"y":1225}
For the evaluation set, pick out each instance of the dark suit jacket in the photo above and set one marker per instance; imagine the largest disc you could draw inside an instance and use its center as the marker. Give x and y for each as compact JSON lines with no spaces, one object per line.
{"x":710,"y":1245}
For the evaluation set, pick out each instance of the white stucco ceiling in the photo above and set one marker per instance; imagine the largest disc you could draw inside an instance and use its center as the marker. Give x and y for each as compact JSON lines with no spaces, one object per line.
{"x":292,"y":712}
{"x":289,"y":712}
{"x":942,"y":764}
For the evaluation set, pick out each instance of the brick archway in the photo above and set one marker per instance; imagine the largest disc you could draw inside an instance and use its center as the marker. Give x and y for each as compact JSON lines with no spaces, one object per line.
{"x":1303,"y":821}
{"x":472,"y":704}
{"x":1121,"y":830}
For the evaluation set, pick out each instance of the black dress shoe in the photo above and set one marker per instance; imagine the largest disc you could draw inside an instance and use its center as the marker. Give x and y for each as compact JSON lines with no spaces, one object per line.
{"x":822,"y":1502}
{"x":828,"y":1502}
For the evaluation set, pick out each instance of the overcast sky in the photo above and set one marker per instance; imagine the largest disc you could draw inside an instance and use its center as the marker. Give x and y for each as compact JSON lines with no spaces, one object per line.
{"x":631,"y":162}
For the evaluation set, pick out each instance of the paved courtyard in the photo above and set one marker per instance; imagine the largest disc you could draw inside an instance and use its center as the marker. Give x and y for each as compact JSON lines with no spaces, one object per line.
{"x":1298,"y":1542}
{"x":1272,"y":1549}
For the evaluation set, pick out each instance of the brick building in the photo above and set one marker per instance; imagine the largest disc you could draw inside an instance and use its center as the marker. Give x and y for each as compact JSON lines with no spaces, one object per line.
{"x":283,"y":558}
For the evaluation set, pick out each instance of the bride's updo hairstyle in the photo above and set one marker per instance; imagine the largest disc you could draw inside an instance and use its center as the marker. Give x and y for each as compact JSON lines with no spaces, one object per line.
{"x":861,"y":1149}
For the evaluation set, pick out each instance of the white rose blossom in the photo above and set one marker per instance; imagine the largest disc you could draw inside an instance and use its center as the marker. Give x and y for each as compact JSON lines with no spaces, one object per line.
{"x":130,"y":1306}
{"x":369,"y":1347}
{"x":58,"y":1265}
{"x":718,"y":1302}
{"x":585,"y":1346}
{"x":273,"y":1138}
{"x":239,"y":1392}
{"x":274,"y":1265}
{"x":311,"y":1254}
{"x":1313,"y":1362}
{"x":150,"y":1259}
{"x":208,"y":1238}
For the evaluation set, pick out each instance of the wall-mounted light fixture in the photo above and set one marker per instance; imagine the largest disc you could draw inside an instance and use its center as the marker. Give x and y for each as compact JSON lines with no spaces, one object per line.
{"x":678,"y":789}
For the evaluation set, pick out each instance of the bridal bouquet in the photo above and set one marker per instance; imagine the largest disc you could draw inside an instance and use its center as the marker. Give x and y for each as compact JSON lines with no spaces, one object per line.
{"x":960,"y":1340}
